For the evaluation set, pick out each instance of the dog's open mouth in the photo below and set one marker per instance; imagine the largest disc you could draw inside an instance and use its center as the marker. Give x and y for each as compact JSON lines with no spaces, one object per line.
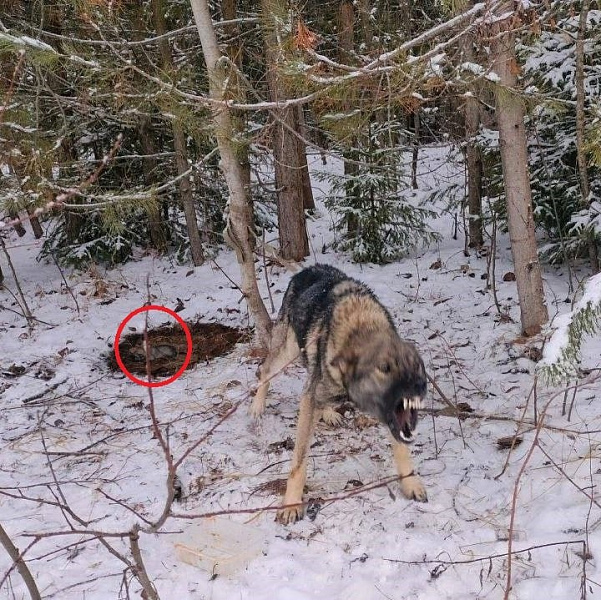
{"x":405,"y":419}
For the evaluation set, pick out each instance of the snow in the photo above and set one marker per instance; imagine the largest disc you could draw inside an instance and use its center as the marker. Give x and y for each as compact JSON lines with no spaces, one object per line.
{"x":472,"y":67}
{"x":93,"y":427}
{"x":558,"y":342}
{"x":25,"y":40}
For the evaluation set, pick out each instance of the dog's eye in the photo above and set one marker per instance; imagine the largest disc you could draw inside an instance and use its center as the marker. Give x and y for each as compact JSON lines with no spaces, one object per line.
{"x":385,"y":368}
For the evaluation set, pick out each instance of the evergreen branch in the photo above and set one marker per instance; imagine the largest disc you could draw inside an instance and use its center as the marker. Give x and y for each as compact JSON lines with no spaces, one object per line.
{"x":377,"y":65}
{"x":11,"y":87}
{"x":61,"y":200}
{"x":149,"y":40}
{"x":563,"y":351}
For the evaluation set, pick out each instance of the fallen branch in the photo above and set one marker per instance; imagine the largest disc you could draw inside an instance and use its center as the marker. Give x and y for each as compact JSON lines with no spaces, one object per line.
{"x":19,"y":563}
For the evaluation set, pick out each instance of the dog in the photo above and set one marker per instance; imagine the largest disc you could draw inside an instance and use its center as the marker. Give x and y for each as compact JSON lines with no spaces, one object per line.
{"x":352,"y":351}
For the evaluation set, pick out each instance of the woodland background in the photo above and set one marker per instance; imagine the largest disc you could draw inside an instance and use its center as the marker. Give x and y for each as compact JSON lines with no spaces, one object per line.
{"x":176,"y":129}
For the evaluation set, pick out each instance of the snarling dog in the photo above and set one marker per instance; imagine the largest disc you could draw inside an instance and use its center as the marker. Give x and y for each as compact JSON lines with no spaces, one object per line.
{"x":351,"y":348}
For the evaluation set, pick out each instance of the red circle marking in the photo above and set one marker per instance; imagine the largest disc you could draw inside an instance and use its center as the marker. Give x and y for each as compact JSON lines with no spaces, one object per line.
{"x":171,"y":313}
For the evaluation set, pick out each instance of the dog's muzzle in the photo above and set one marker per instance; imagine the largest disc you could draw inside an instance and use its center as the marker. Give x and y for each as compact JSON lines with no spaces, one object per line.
{"x":403,"y":421}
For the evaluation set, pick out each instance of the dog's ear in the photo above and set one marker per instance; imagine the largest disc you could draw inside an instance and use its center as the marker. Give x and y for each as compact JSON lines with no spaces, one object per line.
{"x":345,"y":361}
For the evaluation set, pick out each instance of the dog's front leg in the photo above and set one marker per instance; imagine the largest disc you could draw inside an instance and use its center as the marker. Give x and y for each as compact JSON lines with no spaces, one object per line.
{"x":411,"y":485}
{"x":298,"y":472}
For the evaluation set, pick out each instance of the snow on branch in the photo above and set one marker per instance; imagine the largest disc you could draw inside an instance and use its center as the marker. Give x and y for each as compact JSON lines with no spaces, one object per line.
{"x":562,"y":352}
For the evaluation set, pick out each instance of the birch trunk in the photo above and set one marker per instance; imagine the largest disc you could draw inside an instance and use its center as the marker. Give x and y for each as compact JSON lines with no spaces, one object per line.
{"x":514,"y":158}
{"x":235,"y":52}
{"x":239,"y":218}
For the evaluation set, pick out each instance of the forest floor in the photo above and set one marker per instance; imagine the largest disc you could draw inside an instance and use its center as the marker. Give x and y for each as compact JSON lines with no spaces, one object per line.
{"x":78,"y":453}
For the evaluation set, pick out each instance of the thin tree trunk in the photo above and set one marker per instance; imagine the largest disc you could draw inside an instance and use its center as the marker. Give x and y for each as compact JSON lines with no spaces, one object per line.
{"x":346,"y":45}
{"x":179,"y":143}
{"x":36,"y":227}
{"x":413,"y":118}
{"x":294,"y":244}
{"x":239,"y":220}
{"x":473,"y":159}
{"x":156,"y":229}
{"x":235,"y":52}
{"x":580,"y":129}
{"x":364,"y":7}
{"x":18,"y":227}
{"x":415,"y":152}
{"x":308,"y":200}
{"x":514,"y":158}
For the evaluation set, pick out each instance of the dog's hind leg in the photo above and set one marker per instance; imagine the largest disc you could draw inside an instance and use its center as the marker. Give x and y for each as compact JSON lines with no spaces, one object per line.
{"x":283,"y":350}
{"x":298,"y":472}
{"x":411,"y":485}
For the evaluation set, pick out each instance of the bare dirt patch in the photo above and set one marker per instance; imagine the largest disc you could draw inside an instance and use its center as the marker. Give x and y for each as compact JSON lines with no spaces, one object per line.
{"x":168,"y":347}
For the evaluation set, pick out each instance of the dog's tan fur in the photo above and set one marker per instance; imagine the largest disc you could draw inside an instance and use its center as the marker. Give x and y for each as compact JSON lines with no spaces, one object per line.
{"x":351,"y":349}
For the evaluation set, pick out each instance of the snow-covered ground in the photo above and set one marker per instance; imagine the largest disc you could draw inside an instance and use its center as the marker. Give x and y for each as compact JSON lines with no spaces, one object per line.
{"x":84,"y":451}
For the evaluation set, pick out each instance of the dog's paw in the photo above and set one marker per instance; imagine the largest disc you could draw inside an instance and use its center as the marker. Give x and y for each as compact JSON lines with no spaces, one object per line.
{"x":413,"y":489}
{"x":331,"y":417}
{"x":257,"y":408}
{"x":292,"y":514}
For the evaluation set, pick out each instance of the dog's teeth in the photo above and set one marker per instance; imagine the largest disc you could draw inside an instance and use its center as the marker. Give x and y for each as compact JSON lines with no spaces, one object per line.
{"x":405,"y":403}
{"x":418,"y":402}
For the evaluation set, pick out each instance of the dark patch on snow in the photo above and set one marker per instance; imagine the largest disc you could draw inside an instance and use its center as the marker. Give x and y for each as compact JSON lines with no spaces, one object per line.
{"x":168,"y":347}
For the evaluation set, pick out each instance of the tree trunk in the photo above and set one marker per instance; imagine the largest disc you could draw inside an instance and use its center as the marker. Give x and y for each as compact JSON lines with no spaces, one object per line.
{"x":308,"y":200}
{"x":294,"y":244}
{"x":415,"y":152}
{"x":473,"y":159}
{"x":158,"y":237}
{"x":179,"y":143}
{"x":346,"y":45}
{"x":580,"y":130}
{"x":514,"y":158}
{"x":36,"y":227}
{"x":240,"y":216}
{"x":234,"y":50}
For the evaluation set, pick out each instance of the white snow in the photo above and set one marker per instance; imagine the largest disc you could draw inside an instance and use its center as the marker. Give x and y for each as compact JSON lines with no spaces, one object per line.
{"x":556,"y":345}
{"x":25,"y":40}
{"x":93,"y":428}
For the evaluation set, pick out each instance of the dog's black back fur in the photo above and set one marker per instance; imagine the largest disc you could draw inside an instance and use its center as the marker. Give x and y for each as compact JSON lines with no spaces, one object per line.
{"x":306,"y":299}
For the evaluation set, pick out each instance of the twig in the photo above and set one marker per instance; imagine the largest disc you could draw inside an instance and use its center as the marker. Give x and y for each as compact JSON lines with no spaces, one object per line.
{"x":272,"y":305}
{"x":24,"y":304}
{"x":585,"y":552}
{"x":19,"y":563}
{"x":469,"y":561}
{"x":162,"y":439}
{"x":228,"y":278}
{"x":274,"y":507}
{"x":16,"y":312}
{"x":41,"y":394}
{"x":590,"y":496}
{"x":61,"y":500}
{"x":514,"y":498}
{"x":492,"y":262}
{"x":442,"y":395}
{"x":65,"y":282}
{"x":139,"y":567}
{"x":573,"y":400}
